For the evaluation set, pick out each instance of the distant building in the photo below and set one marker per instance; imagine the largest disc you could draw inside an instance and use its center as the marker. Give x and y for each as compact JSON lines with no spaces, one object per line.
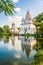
{"x":27,"y":25}
{"x":14,"y":29}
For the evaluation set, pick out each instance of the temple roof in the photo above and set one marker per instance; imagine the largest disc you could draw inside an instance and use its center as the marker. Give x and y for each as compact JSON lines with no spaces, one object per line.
{"x":28,"y":15}
{"x":27,"y":18}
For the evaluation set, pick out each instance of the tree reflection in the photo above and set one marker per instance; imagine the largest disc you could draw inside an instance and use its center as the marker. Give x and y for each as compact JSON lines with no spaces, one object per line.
{"x":1,"y":38}
{"x":38,"y":58}
{"x":6,"y":39}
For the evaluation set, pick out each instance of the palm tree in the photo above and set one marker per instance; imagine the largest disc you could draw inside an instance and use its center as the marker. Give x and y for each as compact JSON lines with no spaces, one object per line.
{"x":7,"y":7}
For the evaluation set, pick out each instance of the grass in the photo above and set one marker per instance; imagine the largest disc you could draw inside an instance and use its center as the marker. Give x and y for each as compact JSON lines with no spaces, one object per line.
{"x":38,"y":58}
{"x":4,"y":33}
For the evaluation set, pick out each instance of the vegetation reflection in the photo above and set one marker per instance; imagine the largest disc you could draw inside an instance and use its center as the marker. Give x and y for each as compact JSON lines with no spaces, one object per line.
{"x":38,"y":58}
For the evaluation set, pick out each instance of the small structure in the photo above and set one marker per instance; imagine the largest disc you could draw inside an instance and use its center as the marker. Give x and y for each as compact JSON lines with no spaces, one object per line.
{"x":27,"y":25}
{"x":14,"y":29}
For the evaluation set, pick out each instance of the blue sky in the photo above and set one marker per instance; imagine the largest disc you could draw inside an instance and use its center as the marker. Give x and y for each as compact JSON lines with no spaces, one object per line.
{"x":22,"y":6}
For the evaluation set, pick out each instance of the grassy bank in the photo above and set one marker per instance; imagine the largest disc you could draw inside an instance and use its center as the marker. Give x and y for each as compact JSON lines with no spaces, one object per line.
{"x":4,"y":33}
{"x":35,"y":35}
{"x":15,"y":34}
{"x":38,"y":58}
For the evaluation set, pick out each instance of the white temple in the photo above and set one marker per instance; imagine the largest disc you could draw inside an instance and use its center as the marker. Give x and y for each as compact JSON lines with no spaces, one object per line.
{"x":13,"y":28}
{"x":27,"y":25}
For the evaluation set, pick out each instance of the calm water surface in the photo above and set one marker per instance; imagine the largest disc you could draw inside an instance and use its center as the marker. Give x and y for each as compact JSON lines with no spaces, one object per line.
{"x":16,"y":50}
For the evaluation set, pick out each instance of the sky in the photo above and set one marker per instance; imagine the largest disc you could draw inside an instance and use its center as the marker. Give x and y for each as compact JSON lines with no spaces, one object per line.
{"x":21,"y":7}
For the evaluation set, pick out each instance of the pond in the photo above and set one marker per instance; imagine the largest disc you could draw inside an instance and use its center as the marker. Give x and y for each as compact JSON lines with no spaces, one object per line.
{"x":17,"y":50}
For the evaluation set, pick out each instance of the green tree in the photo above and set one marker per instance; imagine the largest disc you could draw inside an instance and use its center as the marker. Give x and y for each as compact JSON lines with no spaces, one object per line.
{"x":1,"y":30}
{"x":19,"y":28}
{"x":39,"y":23}
{"x":6,"y":28}
{"x":39,"y":18}
{"x":7,"y":7}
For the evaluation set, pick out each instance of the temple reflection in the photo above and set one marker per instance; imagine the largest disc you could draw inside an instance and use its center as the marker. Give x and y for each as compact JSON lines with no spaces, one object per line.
{"x":28,"y":44}
{"x":20,"y":50}
{"x":13,"y":40}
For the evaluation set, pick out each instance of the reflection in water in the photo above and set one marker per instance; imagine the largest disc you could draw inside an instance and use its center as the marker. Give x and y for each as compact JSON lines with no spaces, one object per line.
{"x":6,"y":39}
{"x":30,"y":42}
{"x":1,"y":38}
{"x":17,"y":50}
{"x":28,"y":45}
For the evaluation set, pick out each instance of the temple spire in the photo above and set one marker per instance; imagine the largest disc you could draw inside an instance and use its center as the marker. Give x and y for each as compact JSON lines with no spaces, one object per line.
{"x":28,"y":15}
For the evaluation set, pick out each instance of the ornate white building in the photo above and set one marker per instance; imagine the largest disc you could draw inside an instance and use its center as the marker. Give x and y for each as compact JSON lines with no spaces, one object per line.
{"x":14,"y":29}
{"x":27,"y":25}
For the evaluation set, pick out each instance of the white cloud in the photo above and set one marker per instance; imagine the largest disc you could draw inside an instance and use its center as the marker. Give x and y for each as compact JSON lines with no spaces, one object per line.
{"x":10,"y":19}
{"x":17,"y":9}
{"x":15,"y":1}
{"x":16,"y":20}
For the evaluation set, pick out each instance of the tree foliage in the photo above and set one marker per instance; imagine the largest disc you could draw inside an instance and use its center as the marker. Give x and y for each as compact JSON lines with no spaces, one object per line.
{"x":7,"y":7}
{"x":38,"y":58}
{"x":39,"y":18}
{"x":6,"y":28}
{"x":39,"y":23}
{"x":1,"y":30}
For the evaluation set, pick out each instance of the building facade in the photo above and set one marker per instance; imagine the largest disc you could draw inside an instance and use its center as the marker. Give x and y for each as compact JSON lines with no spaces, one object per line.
{"x":14,"y":29}
{"x":27,"y":25}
